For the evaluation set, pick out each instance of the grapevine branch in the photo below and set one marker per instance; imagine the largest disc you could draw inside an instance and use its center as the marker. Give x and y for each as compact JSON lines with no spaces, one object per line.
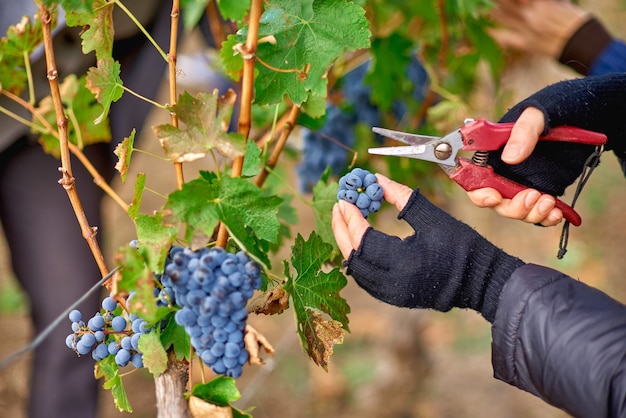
{"x":247,"y":94}
{"x":171,"y":59}
{"x":280,"y":144}
{"x":67,"y":180}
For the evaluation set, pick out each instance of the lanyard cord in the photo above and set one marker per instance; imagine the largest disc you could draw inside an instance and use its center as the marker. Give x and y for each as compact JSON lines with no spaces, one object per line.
{"x":592,"y":162}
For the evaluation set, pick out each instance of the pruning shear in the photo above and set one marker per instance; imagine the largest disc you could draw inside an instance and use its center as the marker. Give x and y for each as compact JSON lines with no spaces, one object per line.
{"x":481,"y":137}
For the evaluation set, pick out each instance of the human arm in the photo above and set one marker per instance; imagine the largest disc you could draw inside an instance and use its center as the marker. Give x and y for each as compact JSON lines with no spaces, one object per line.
{"x":444,"y":264}
{"x":563,"y":341}
{"x":559,"y":29}
{"x":533,"y":309}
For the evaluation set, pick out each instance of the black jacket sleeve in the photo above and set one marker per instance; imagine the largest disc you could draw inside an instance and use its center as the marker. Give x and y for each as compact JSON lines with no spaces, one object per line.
{"x":563,"y":341}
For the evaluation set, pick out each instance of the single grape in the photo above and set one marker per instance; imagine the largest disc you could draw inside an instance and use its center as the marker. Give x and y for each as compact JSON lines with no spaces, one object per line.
{"x":137,"y":360}
{"x":353,"y":181}
{"x":363,"y":202}
{"x":374,"y":206}
{"x":122,"y":357}
{"x":369,"y":179}
{"x":351,"y":196}
{"x":374,"y":191}
{"x":75,"y":315}
{"x":118,"y":324}
{"x":109,"y":304}
{"x":126,"y":343}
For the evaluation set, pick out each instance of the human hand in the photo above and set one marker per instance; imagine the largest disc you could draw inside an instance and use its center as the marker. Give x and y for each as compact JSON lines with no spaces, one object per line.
{"x":528,"y":205}
{"x":536,"y":26}
{"x":348,"y":223}
{"x":444,"y":264}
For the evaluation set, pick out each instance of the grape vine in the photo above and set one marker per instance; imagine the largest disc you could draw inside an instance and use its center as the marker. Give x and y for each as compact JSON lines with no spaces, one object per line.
{"x":333,"y":68}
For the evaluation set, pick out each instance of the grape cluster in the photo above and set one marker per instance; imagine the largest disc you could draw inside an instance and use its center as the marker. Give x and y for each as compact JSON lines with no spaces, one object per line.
{"x":108,"y":334}
{"x":361,"y":188}
{"x":212,"y":287}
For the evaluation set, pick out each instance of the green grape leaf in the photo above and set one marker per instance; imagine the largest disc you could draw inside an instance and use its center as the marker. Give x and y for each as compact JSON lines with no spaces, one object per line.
{"x":105,"y":82}
{"x":174,"y":336}
{"x":81,"y":109}
{"x":230,"y":57}
{"x":155,"y":239}
{"x":324,"y":198}
{"x":235,"y":10}
{"x":108,"y":370}
{"x":247,"y":213}
{"x":98,"y":21}
{"x":153,"y":353}
{"x":302,"y":49}
{"x":388,"y":69}
{"x":140,"y":185}
{"x":12,"y":71}
{"x":71,"y":5}
{"x":314,"y":106}
{"x":137,"y":277}
{"x":207,"y":117}
{"x":252,"y":160}
{"x":313,"y":290}
{"x":124,"y":152}
{"x":192,"y":11}
{"x":220,"y":391}
{"x":23,"y":37}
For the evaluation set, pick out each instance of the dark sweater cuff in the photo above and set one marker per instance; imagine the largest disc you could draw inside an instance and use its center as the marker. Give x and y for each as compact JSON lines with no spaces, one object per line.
{"x":585,"y":45}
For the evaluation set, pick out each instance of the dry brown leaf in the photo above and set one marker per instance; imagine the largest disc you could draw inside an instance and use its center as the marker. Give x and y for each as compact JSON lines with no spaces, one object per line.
{"x":321,"y":336}
{"x":254,"y":341}
{"x":202,"y":409}
{"x":275,"y":301}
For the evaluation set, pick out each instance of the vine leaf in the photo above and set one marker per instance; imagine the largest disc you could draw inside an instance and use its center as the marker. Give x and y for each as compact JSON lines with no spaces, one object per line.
{"x":388,"y":69}
{"x":108,"y":370}
{"x":105,"y":82}
{"x":20,"y":40}
{"x":155,"y":239}
{"x":308,"y":38}
{"x":321,"y":336}
{"x":124,"y":152}
{"x":81,"y":108}
{"x":98,"y":23}
{"x":249,"y":215}
{"x":214,"y":399}
{"x":314,"y":292}
{"x":153,"y":355}
{"x":235,"y":10}
{"x":176,"y":337}
{"x":136,"y":276}
{"x":324,"y":198}
{"x":207,"y":117}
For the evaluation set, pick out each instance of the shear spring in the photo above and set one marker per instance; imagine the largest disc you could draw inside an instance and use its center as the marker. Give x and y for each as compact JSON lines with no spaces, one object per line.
{"x":480,"y":158}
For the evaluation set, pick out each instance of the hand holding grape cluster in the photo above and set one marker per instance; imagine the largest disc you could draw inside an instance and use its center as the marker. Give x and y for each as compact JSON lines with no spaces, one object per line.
{"x":361,"y":188}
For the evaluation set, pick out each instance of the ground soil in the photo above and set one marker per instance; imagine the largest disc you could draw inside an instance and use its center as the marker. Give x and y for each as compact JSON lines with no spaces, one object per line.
{"x":394,"y":363}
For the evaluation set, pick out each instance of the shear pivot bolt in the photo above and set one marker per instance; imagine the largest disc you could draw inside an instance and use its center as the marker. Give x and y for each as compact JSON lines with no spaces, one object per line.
{"x":443,"y":151}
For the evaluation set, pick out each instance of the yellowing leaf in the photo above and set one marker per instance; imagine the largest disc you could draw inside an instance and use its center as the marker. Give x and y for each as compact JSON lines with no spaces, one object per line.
{"x":124,"y":151}
{"x":206,"y":118}
{"x":314,"y":290}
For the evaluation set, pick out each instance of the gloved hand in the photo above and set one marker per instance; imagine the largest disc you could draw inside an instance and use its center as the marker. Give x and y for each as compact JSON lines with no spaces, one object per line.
{"x":594,"y":103}
{"x":444,"y":264}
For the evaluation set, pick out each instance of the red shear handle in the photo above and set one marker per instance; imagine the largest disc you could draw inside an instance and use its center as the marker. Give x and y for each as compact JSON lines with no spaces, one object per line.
{"x":471,"y":177}
{"x":482,"y":135}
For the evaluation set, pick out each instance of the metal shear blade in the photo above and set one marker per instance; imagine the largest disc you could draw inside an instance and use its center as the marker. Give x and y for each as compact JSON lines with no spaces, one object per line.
{"x":410,"y":139}
{"x":421,"y":147}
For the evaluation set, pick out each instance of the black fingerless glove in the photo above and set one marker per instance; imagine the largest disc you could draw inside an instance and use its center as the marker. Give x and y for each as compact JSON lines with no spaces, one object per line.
{"x":594,"y":103}
{"x":445,"y":264}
